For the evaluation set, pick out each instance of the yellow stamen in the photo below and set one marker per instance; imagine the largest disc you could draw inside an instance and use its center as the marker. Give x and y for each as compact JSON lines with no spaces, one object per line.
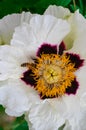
{"x":54,"y":73}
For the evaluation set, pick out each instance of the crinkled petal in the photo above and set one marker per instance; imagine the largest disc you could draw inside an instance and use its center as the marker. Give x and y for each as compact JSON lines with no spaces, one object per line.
{"x":49,"y":29}
{"x":8,"y":24}
{"x":78,"y":28}
{"x":82,"y":121}
{"x":45,"y":116}
{"x":78,"y":22}
{"x":83,"y":101}
{"x":13,"y":54}
{"x":78,"y":123}
{"x":17,"y":97}
{"x":81,"y":93}
{"x":11,"y":59}
{"x":77,"y":102}
{"x":80,"y":75}
{"x":8,"y":70}
{"x":79,"y":46}
{"x":42,"y":29}
{"x":58,"y":11}
{"x":26,"y":16}
{"x":76,"y":115}
{"x":58,"y":102}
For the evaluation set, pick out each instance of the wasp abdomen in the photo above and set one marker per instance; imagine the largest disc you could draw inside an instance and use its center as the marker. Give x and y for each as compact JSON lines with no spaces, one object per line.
{"x":24,"y":64}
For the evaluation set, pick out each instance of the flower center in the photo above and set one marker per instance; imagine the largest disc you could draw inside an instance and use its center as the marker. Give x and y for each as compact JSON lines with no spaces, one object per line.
{"x":52,"y":74}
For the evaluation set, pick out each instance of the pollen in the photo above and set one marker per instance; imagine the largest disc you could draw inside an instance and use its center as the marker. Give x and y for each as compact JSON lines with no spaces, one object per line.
{"x":53,"y":74}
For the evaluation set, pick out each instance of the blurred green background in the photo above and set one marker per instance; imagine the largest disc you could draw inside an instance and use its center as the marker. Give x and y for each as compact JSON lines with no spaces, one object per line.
{"x":38,"y":6}
{"x":34,"y":6}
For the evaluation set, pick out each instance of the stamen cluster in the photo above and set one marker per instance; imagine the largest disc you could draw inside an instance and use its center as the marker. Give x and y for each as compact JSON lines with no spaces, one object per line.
{"x":53,"y":74}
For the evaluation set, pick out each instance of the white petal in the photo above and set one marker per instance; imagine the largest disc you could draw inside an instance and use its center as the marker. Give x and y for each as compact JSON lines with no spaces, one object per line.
{"x":81,"y":93}
{"x":42,"y":29}
{"x":13,"y":54}
{"x":58,"y":11}
{"x":58,"y":102}
{"x":78,"y":123}
{"x":78,"y":22}
{"x":8,"y":24}
{"x":78,"y":28}
{"x":76,"y":113}
{"x":82,"y":122}
{"x":79,"y":46}
{"x":26,"y":16}
{"x":44,"y":116}
{"x":80,"y":75}
{"x":14,"y":99}
{"x":49,"y":29}
{"x":83,"y":100}
{"x":11,"y":59}
{"x":17,"y":97}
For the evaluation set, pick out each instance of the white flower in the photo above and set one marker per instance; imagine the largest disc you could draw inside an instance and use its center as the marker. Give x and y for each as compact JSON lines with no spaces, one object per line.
{"x":41,"y":78}
{"x":8,"y":24}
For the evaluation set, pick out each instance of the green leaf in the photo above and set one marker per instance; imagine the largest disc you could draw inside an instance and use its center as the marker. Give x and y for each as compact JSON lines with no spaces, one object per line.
{"x":1,"y":109}
{"x":62,"y":2}
{"x":16,"y":6}
{"x":7,"y":7}
{"x":41,"y":5}
{"x":61,"y":128}
{"x":72,"y":8}
{"x":1,"y":128}
{"x":81,"y":5}
{"x":22,"y":126}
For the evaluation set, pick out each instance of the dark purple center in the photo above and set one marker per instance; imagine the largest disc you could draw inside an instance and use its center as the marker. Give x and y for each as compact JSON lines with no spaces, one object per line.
{"x":73,"y":88}
{"x":47,"y":49}
{"x":75,"y":59}
{"x":61,"y":48}
{"x":28,"y":77}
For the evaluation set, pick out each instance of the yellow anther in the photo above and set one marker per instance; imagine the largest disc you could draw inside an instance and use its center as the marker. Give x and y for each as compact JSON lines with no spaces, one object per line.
{"x":53,"y":73}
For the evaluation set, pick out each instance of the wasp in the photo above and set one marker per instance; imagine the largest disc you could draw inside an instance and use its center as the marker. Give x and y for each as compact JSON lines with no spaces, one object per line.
{"x":24,"y":64}
{"x":28,"y":65}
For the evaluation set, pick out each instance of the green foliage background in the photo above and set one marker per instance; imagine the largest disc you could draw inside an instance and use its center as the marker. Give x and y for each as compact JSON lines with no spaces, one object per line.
{"x":38,"y":6}
{"x":34,"y":6}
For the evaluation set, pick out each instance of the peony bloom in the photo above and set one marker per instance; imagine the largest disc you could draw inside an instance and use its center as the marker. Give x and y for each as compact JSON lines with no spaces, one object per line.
{"x":41,"y":77}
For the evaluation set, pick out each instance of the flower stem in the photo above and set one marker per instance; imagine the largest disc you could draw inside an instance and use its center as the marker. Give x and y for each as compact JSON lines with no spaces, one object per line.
{"x":81,"y":5}
{"x":74,"y":3}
